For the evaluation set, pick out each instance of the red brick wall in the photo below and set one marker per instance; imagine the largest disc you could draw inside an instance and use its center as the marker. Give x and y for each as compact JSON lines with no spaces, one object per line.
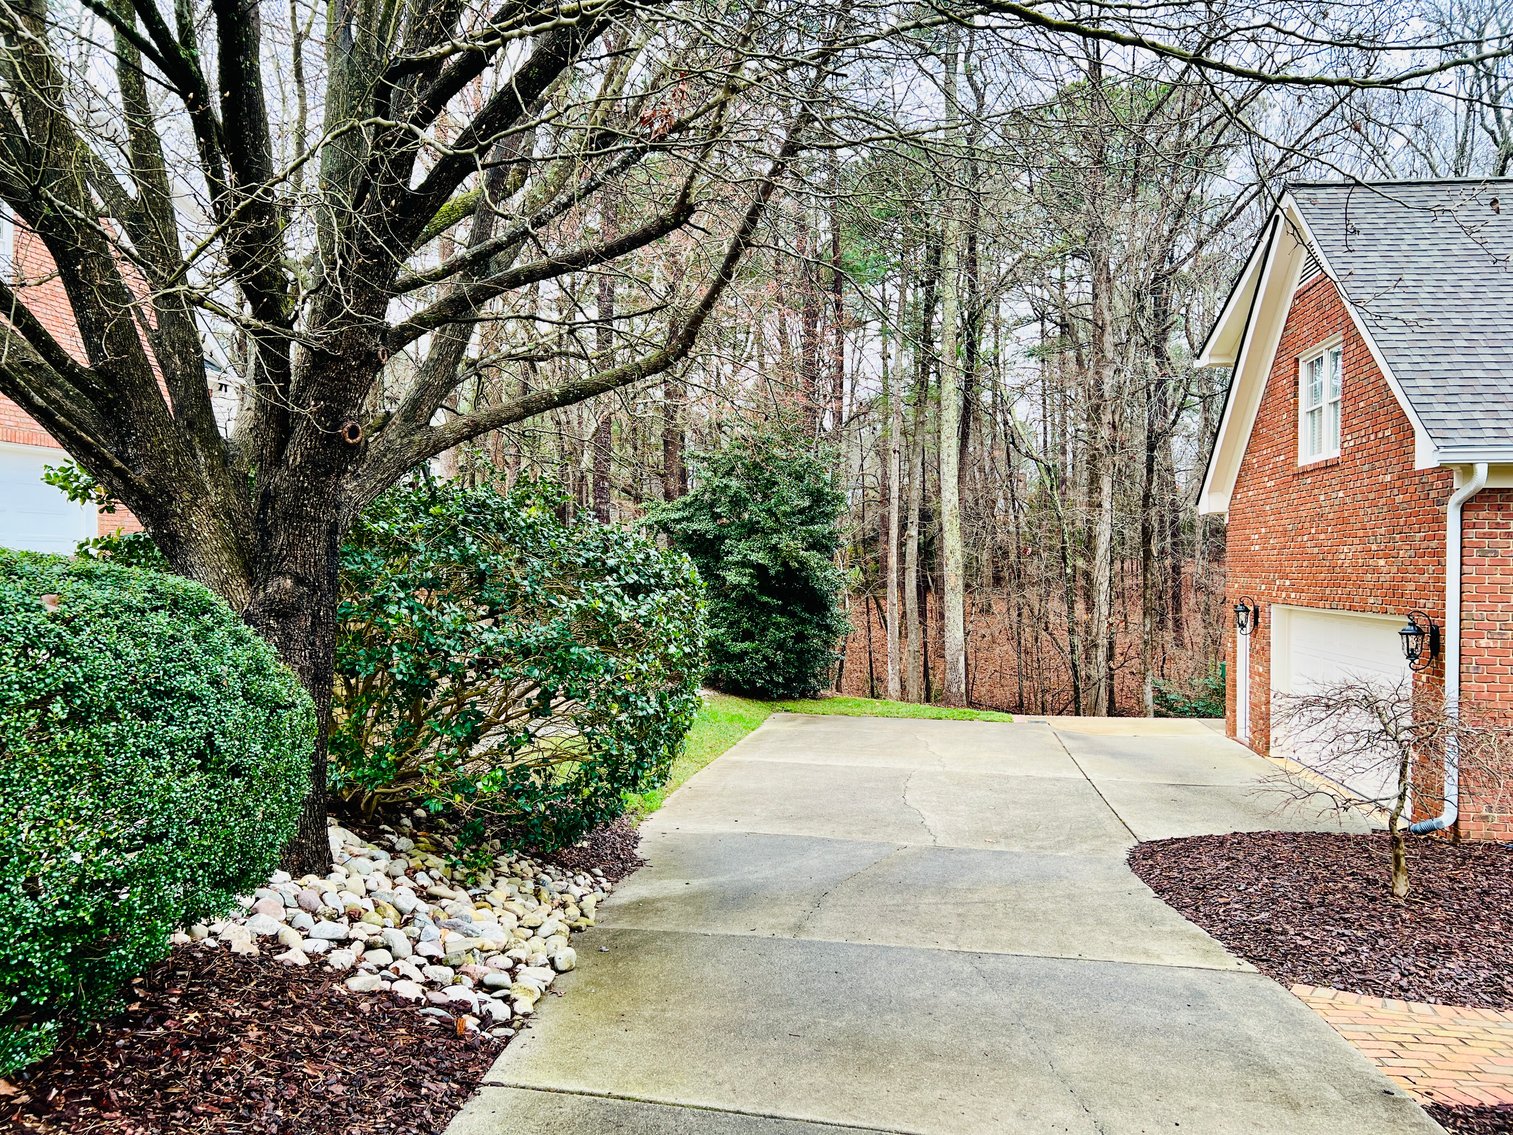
{"x":1487,"y":651}
{"x":42,"y":291}
{"x":1363,"y":532}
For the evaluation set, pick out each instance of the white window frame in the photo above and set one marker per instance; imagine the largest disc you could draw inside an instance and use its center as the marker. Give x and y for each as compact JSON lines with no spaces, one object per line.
{"x":1331,"y":347}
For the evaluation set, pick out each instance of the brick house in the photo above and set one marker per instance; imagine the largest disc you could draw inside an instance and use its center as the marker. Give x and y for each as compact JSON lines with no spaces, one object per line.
{"x":33,"y":514}
{"x":1364,"y":459}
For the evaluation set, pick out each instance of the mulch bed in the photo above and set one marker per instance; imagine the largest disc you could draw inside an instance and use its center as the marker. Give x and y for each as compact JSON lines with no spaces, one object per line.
{"x":1315,"y":908}
{"x":213,"y":1042}
{"x":610,"y":847}
{"x":1472,"y":1120}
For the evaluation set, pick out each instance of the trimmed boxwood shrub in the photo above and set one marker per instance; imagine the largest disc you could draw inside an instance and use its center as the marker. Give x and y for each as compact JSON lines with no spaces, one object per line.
{"x":497,"y":661}
{"x":763,"y":526}
{"x":153,"y":755}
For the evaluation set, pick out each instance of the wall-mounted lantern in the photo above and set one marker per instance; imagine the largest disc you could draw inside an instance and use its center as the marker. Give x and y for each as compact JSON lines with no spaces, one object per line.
{"x":1420,"y":639}
{"x":1247,"y":615}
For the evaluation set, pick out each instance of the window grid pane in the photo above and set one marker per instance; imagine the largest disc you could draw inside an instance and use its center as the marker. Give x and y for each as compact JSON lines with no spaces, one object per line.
{"x":1319,"y":401}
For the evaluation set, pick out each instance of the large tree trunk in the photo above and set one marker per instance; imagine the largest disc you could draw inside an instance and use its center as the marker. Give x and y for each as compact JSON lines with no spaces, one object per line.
{"x":953,"y":571}
{"x":293,"y":606}
{"x":894,"y":396}
{"x":837,"y":305}
{"x":914,"y":632}
{"x":810,"y":397}
{"x":674,"y":471}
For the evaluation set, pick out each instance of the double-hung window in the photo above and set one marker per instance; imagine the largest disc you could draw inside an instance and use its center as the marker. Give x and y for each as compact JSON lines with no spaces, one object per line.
{"x":1319,"y":404}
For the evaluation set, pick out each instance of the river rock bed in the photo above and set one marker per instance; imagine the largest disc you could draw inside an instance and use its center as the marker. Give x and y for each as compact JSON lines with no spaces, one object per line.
{"x":474,"y":934}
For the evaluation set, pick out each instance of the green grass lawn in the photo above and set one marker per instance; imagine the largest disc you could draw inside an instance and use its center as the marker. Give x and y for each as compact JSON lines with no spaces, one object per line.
{"x":725,"y":719}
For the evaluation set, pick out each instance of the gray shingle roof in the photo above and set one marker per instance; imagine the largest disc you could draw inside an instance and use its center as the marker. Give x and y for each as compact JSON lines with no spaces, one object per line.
{"x":1429,"y":266}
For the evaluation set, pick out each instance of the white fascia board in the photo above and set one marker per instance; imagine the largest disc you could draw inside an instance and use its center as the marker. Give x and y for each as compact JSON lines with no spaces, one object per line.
{"x":1281,"y":264}
{"x":1222,"y":346}
{"x":1425,"y":453}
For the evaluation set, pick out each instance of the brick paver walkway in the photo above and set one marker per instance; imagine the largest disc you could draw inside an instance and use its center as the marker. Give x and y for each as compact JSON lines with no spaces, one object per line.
{"x":1441,"y":1053}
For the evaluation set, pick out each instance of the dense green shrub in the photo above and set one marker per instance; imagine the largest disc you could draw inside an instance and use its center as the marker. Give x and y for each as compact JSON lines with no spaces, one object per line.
{"x":1202,"y":696}
{"x":494,"y":659}
{"x":153,"y":754}
{"x":762,"y":525}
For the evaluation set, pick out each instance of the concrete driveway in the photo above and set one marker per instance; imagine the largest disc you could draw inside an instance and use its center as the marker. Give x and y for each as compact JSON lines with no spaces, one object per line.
{"x":928,"y":927}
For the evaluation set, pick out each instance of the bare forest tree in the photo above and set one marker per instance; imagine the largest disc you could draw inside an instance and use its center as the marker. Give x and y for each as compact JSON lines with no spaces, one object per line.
{"x":572,"y":237}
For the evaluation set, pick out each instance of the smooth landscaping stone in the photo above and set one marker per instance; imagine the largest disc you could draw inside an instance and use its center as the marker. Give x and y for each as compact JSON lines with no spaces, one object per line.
{"x":396,"y":943}
{"x":409,"y":990}
{"x":262,"y":925}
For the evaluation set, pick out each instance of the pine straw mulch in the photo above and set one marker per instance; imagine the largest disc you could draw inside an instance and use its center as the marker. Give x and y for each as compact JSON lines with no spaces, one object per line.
{"x":1315,"y":908}
{"x":212,"y":1042}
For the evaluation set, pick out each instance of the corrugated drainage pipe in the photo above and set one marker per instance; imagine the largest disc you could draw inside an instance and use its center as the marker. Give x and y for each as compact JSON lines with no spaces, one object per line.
{"x":1461,"y":495}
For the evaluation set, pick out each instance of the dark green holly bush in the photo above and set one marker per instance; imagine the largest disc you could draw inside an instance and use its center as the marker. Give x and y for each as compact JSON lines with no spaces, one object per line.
{"x":495,"y":660}
{"x":153,"y":755}
{"x":762,"y":525}
{"x":1200,"y":696}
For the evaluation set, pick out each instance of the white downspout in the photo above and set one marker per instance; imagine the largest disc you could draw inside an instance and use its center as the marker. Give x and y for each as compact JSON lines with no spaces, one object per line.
{"x":1461,"y":495}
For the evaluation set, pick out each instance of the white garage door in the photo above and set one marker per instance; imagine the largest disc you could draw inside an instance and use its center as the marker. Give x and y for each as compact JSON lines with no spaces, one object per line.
{"x":34,"y":515}
{"x":1310,"y":648}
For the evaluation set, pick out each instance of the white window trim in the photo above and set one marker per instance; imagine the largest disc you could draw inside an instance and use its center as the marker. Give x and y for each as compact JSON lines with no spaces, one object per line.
{"x":1333,"y":343}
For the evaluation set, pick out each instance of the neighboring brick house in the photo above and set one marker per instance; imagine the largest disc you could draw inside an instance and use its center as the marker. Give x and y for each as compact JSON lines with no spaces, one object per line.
{"x":1366,"y":442}
{"x":33,"y":514}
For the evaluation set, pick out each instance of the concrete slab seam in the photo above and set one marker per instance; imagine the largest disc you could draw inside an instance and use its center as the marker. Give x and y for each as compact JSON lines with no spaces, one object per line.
{"x":515,"y":1086}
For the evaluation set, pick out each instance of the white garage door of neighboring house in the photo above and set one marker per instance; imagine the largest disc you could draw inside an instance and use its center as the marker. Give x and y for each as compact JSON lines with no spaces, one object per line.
{"x":34,"y":515}
{"x":1310,"y":647}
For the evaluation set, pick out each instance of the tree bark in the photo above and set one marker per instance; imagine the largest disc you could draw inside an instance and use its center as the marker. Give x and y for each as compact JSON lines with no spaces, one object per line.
{"x":953,"y":557}
{"x":674,"y":472}
{"x":604,"y":346}
{"x":894,"y":397}
{"x":837,"y":305}
{"x":915,"y":651}
{"x":293,"y":606}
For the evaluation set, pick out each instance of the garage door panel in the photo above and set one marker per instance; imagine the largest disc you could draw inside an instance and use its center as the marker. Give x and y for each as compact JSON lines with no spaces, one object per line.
{"x":1313,"y":649}
{"x":34,"y":515}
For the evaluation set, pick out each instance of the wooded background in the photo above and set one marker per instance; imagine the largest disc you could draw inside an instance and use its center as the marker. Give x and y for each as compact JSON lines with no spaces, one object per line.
{"x":983,"y":289}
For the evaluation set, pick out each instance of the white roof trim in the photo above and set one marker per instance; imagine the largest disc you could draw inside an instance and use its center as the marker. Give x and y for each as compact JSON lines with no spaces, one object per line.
{"x":1222,"y":346}
{"x":1279,"y":255}
{"x":1247,"y":335}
